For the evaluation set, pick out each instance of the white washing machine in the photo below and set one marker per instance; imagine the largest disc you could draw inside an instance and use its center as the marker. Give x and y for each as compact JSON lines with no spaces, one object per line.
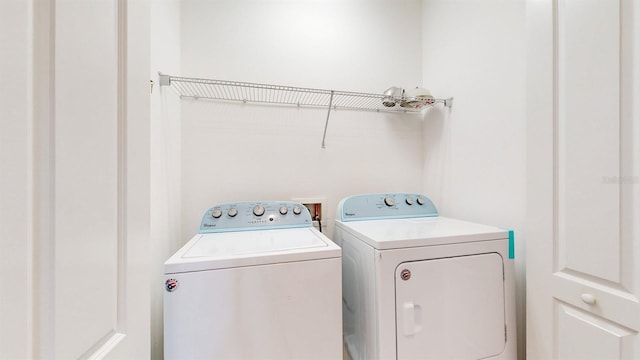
{"x":420,"y":286}
{"x":257,"y":282}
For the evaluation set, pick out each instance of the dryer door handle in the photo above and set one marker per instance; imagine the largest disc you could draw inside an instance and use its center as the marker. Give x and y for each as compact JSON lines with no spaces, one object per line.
{"x":412,"y":314}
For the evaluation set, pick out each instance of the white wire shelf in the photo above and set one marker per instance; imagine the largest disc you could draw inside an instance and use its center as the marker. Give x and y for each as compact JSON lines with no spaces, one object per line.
{"x":289,"y":95}
{"x":245,"y":92}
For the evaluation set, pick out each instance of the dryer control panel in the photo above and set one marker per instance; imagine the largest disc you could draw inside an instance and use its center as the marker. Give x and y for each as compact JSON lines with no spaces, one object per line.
{"x":385,"y":206}
{"x":258,"y":215}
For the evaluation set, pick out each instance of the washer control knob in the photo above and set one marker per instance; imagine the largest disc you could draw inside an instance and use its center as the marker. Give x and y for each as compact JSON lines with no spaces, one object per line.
{"x":232,"y":212}
{"x":389,"y":201}
{"x":297,"y":210}
{"x":258,"y":210}
{"x":420,"y":201}
{"x":409,"y":201}
{"x":284,"y":210}
{"x":216,"y":213}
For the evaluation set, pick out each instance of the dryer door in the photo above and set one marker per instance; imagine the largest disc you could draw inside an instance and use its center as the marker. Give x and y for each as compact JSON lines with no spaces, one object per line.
{"x":450,"y":308}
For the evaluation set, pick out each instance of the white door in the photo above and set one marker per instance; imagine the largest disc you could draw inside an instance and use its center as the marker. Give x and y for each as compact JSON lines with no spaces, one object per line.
{"x":451,"y":308}
{"x":583,"y":162}
{"x":74,"y":212}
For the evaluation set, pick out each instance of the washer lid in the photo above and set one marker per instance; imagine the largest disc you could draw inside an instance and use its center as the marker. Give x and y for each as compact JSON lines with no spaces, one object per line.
{"x":424,"y":231}
{"x":248,"y":248}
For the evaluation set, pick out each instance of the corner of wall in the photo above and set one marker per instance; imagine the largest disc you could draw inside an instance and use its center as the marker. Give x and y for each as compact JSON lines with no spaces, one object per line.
{"x":165,"y":156}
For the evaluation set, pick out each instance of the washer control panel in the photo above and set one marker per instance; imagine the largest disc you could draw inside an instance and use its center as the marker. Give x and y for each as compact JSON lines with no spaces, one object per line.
{"x":385,"y":206}
{"x":254,"y":216}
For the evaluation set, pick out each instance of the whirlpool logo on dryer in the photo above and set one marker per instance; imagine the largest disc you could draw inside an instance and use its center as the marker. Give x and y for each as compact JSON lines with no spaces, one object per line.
{"x":171,"y":285}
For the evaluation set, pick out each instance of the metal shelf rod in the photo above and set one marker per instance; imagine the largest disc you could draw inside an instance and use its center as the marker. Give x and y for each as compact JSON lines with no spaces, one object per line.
{"x":326,"y":123}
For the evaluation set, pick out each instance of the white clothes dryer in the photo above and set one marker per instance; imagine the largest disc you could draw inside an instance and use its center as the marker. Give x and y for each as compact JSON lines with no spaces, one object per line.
{"x":257,"y":282}
{"x":420,"y":286}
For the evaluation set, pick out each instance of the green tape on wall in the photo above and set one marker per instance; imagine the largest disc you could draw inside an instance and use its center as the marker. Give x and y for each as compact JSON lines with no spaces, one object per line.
{"x":512,"y":245}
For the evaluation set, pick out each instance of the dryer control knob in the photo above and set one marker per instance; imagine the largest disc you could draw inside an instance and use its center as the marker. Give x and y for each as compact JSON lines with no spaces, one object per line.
{"x":258,"y":210}
{"x":409,"y":201}
{"x":389,"y":201}
{"x":297,"y":210}
{"x":420,"y":201}
{"x":232,"y":212}
{"x":216,"y":213}
{"x":284,"y":210}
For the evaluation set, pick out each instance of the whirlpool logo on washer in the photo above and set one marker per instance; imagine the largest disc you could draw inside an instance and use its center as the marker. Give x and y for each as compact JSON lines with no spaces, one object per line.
{"x":349,"y":214}
{"x":171,"y":285}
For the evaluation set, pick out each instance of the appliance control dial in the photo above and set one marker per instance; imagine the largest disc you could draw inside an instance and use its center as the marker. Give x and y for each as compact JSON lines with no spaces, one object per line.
{"x":254,"y":215}
{"x":389,"y":201}
{"x":258,"y":210}
{"x":409,"y":201}
{"x":420,"y":201}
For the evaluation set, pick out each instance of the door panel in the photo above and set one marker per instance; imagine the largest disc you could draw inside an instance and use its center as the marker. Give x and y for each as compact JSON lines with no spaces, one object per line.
{"x":583,"y":191}
{"x":589,"y":336}
{"x":86,"y":175}
{"x":91,"y":179}
{"x":451,"y":308}
{"x":588,"y":137}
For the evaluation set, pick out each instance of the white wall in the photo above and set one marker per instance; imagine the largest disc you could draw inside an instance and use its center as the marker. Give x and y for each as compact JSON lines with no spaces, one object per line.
{"x":475,"y":154}
{"x":15,"y":179}
{"x":165,"y":156}
{"x":235,"y":152}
